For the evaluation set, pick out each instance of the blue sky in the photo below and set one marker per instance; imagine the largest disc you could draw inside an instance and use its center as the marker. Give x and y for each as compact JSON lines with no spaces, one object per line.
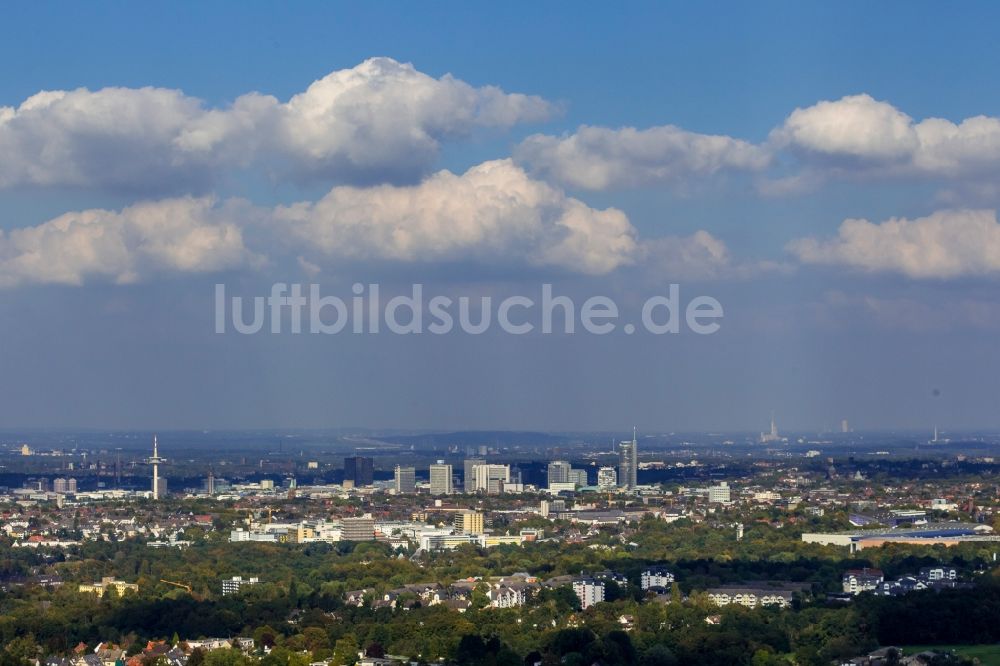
{"x":726,"y":189}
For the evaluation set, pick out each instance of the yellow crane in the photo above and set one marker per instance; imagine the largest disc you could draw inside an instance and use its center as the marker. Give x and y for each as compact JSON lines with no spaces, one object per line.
{"x":176,"y":584}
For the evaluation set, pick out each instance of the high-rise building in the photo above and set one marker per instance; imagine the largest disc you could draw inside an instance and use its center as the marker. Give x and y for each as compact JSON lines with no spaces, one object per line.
{"x":607,"y":478}
{"x":469,"y":471}
{"x":441,"y":474}
{"x":628,"y":463}
{"x":469,"y":522}
{"x":578,"y":477}
{"x":558,"y":472}
{"x":357,"y":529}
{"x":360,"y":470}
{"x":210,"y":482}
{"x":491,"y":479}
{"x":406,"y":479}
{"x":59,"y":485}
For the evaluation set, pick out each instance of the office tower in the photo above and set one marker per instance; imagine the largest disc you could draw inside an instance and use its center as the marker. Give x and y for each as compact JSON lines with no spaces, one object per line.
{"x":558,"y":472}
{"x":578,"y":477}
{"x":469,"y":522}
{"x":491,"y":479}
{"x":441,"y":478}
{"x":628,"y":463}
{"x":469,"y":478}
{"x":406,"y":479}
{"x":159,"y":486}
{"x":359,"y":470}
{"x":607,"y":478}
{"x":210,"y":482}
{"x":844,"y":426}
{"x":720,"y":494}
{"x":59,"y":485}
{"x":516,"y":476}
{"x":357,"y":529}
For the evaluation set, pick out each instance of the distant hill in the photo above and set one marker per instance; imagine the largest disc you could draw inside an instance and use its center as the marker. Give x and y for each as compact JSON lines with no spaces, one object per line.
{"x":479,"y":438}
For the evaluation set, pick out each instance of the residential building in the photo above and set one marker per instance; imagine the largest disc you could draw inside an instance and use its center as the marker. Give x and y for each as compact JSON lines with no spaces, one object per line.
{"x":588,"y":591}
{"x":656,"y":577}
{"x":856,"y":581}
{"x":752,"y":597}
{"x":234,"y":584}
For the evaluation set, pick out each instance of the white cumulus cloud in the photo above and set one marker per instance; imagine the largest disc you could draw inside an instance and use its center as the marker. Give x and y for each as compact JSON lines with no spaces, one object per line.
{"x":379,"y":121}
{"x":945,"y":244}
{"x":494,"y":212}
{"x":861,"y":135}
{"x":184,"y":235}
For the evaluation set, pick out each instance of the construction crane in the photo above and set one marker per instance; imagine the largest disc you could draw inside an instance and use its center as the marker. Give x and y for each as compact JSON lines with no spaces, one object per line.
{"x":176,"y":584}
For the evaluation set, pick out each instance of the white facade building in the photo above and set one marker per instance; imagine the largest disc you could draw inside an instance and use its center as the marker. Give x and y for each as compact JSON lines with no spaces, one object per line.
{"x":588,"y":591}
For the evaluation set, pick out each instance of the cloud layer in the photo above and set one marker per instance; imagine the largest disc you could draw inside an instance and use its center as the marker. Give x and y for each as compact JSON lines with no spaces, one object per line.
{"x":493,"y":214}
{"x":380,"y":121}
{"x":854,"y":137}
{"x":598,"y":158}
{"x":376,"y":130}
